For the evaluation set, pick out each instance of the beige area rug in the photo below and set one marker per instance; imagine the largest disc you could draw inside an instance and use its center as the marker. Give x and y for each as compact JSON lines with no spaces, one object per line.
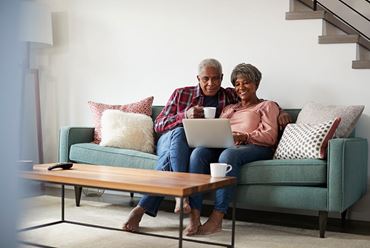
{"x":43,"y":209}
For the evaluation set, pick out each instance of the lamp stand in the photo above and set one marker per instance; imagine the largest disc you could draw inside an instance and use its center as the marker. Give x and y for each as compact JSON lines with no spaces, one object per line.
{"x":38,"y":115}
{"x":36,"y":81}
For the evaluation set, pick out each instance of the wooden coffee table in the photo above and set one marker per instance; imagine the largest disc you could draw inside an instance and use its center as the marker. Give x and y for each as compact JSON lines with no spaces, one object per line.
{"x":162,"y":183}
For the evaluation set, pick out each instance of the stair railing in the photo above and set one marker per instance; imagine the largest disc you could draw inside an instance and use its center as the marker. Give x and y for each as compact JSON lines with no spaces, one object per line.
{"x":317,"y":3}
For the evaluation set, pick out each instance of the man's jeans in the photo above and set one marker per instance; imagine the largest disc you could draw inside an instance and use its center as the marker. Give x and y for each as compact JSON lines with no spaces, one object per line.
{"x":200,"y":160}
{"x":173,"y":155}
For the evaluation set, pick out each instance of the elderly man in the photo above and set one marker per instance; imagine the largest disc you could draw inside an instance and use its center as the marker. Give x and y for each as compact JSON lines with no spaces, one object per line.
{"x":172,"y":149}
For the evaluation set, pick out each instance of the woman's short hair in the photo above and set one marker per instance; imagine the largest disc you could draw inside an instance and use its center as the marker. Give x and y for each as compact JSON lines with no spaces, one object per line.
{"x":248,"y":71}
{"x":214,"y":63}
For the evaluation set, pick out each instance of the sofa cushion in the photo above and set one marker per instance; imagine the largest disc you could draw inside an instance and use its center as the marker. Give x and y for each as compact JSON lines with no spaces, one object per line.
{"x":142,"y":107}
{"x":309,"y":172}
{"x":301,"y":141}
{"x":127,"y":130}
{"x":314,"y":113}
{"x":90,"y":153}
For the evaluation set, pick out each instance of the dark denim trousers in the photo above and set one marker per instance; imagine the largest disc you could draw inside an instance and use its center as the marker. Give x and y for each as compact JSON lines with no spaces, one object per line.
{"x":173,"y":155}
{"x":200,"y":160}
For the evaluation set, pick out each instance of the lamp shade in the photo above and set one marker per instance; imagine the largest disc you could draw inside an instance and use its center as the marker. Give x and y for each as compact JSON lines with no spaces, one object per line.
{"x":36,"y":25}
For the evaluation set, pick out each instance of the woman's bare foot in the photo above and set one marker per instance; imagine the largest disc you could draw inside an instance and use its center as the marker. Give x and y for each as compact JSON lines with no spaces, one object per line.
{"x":134,"y":218}
{"x":213,"y":224}
{"x":194,"y":223}
{"x":186,"y":205}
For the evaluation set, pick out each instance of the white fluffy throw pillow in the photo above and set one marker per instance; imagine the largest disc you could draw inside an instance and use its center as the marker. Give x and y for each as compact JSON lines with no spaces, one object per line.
{"x":127,"y":130}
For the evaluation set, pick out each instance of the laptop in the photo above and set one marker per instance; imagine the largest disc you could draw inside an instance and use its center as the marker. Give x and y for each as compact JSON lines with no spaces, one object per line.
{"x":212,"y":133}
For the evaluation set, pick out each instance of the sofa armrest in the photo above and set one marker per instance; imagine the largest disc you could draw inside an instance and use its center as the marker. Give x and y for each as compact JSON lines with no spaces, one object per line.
{"x":346,"y":172}
{"x":73,"y":135}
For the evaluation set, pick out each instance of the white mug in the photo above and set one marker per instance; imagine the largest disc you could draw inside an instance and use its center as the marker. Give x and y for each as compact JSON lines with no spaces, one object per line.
{"x":220,"y":169}
{"x":209,"y":112}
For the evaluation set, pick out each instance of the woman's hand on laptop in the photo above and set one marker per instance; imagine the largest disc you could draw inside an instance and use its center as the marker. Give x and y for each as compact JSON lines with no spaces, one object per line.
{"x":195,"y":112}
{"x":240,"y":138}
{"x":284,"y":119}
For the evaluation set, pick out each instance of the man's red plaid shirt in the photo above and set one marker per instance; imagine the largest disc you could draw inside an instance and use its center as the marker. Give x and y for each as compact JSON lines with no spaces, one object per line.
{"x":184,"y":98}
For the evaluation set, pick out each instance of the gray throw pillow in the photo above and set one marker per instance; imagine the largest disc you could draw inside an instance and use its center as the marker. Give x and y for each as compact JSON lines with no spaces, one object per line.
{"x":315,"y":113}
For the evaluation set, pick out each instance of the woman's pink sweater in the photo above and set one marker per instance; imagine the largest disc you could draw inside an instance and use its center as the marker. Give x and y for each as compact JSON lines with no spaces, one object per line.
{"x":258,"y":122}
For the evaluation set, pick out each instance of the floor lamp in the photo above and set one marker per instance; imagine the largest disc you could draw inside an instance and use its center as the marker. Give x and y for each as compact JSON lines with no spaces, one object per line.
{"x":36,"y":31}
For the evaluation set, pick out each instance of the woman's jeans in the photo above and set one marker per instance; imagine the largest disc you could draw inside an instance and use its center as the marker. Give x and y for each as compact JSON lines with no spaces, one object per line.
{"x":173,"y":155}
{"x":200,"y":160}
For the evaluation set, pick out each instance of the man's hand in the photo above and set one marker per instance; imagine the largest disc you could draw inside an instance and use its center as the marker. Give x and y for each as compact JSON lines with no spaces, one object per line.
{"x":284,"y":119}
{"x":195,"y":112}
{"x":240,"y":138}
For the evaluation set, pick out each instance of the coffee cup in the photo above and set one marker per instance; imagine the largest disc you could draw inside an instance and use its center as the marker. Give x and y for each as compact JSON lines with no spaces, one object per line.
{"x":220,"y":169}
{"x":209,"y":112}
{"x":25,"y":165}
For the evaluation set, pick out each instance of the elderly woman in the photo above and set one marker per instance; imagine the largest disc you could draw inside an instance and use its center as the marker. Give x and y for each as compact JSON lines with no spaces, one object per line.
{"x":254,"y":123}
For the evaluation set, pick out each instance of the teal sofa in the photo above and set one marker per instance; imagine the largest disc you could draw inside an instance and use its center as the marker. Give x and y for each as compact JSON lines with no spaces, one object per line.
{"x":326,"y":186}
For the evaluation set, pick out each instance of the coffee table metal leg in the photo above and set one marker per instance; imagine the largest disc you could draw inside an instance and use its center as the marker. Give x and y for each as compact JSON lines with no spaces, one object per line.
{"x":62,"y":200}
{"x":181,"y":221}
{"x":233,"y":224}
{"x":47,"y":224}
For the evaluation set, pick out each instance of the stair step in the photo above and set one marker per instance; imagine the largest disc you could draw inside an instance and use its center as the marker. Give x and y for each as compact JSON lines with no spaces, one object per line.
{"x":361,"y":64}
{"x":301,"y":15}
{"x":330,"y":18}
{"x":331,"y":39}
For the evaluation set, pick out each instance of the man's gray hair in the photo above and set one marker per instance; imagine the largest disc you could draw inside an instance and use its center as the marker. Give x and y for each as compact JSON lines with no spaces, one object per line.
{"x":248,"y":71}
{"x":214,"y":63}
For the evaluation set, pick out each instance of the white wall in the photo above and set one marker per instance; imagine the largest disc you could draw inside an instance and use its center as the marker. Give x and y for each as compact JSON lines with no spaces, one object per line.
{"x":120,"y":51}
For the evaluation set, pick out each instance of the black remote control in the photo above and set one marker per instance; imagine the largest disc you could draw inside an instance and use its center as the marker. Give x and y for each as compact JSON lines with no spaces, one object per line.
{"x":64,"y":166}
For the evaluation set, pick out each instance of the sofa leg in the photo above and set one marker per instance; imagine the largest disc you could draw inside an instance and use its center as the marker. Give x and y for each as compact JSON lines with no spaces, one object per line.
{"x":323,"y":219}
{"x":78,"y":190}
{"x":344,"y":216}
{"x":132,"y":195}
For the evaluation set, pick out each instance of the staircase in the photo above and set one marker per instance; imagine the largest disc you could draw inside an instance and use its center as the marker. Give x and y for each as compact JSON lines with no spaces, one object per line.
{"x":334,"y":29}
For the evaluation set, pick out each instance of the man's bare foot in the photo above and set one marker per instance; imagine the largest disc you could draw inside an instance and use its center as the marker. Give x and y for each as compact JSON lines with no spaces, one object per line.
{"x":194,"y":223}
{"x":187,"y":208}
{"x":134,"y":218}
{"x":213,"y":224}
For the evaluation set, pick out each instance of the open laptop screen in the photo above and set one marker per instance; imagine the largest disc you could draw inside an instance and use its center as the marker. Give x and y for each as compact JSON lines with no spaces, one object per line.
{"x":212,"y":133}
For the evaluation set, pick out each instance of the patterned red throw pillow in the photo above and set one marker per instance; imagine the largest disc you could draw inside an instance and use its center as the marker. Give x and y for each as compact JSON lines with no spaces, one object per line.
{"x":300,"y":141}
{"x":142,"y":107}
